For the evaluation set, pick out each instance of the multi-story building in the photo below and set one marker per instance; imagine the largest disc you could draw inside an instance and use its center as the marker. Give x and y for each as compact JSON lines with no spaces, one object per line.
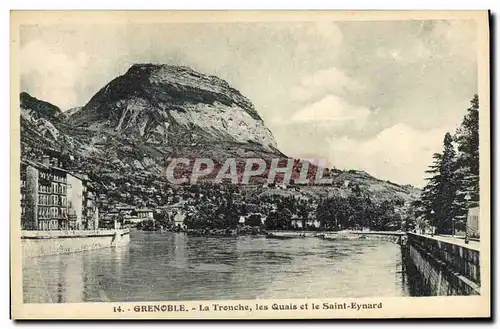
{"x":24,"y":206}
{"x":44,"y":199}
{"x":144,"y":213}
{"x":54,"y":199}
{"x":91,"y":211}
{"x":82,"y":205}
{"x":75,"y":201}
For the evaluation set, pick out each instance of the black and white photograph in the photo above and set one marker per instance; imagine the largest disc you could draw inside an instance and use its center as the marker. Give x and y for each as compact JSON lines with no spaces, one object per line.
{"x":250,"y":166}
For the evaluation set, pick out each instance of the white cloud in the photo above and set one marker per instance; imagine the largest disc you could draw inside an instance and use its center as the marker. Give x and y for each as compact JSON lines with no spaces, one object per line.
{"x":459,"y":36}
{"x":319,"y":31}
{"x":400,"y":153}
{"x":52,"y":75}
{"x":331,"y":80}
{"x":329,"y":31}
{"x":415,"y":50}
{"x":332,"y":109}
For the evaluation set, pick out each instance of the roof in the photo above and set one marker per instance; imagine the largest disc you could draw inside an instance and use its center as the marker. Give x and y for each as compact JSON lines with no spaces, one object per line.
{"x":40,"y":165}
{"x":80,"y":176}
{"x":125,"y":207}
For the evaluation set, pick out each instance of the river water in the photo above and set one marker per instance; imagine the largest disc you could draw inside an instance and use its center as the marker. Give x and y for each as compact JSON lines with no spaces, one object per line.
{"x":168,"y":266}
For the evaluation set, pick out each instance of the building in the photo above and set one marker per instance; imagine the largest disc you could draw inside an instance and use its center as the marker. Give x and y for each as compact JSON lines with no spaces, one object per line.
{"x":24,"y":167}
{"x":91,"y":211}
{"x":179,"y":220}
{"x":312,"y":223}
{"x":44,"y":200}
{"x":296,"y":223}
{"x":473,"y":222}
{"x":109,"y":219}
{"x":75,"y":193}
{"x":144,"y":214}
{"x":54,"y":199}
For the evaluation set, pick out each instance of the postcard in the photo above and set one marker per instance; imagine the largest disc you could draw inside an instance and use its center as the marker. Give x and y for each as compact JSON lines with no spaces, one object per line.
{"x":250,"y":164}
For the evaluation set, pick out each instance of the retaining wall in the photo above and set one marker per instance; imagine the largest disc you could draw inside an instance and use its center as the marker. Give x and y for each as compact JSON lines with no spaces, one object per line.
{"x":444,"y":268}
{"x":42,"y":243}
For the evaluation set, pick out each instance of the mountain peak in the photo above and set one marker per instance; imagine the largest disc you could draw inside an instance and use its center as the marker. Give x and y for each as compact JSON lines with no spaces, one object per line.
{"x":38,"y":108}
{"x":160,"y":102}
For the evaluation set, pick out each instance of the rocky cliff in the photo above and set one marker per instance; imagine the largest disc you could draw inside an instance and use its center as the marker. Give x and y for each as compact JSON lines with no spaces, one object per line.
{"x":172,"y":105}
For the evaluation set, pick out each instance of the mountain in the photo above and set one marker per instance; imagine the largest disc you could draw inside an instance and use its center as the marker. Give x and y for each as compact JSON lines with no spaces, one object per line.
{"x":71,"y":111}
{"x":172,"y":105}
{"x":130,"y":129}
{"x":39,"y":109}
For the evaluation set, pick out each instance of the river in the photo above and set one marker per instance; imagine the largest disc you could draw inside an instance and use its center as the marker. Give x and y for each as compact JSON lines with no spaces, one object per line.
{"x":168,"y":266}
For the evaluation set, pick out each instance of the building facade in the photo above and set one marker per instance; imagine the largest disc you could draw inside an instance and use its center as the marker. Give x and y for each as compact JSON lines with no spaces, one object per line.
{"x":473,"y":222}
{"x":54,"y":199}
{"x":75,"y":194}
{"x":43,"y":197}
{"x":91,"y":211}
{"x":145,"y":214}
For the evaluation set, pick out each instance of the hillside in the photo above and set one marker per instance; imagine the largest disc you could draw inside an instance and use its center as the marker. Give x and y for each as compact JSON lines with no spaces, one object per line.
{"x":127,"y":132}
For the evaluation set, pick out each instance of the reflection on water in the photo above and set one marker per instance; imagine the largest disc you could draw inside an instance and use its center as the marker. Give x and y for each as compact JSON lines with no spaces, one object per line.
{"x":168,"y":266}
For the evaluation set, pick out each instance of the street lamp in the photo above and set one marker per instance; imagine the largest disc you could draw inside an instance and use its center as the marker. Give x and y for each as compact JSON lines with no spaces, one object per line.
{"x":432,"y":221}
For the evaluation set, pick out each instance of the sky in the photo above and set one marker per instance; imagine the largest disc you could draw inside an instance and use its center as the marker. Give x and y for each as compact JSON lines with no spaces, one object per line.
{"x":373,"y":96}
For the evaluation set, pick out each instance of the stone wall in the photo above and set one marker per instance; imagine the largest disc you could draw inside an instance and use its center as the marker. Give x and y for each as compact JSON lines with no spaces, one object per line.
{"x":42,"y":243}
{"x":443,"y":268}
{"x":394,"y":237}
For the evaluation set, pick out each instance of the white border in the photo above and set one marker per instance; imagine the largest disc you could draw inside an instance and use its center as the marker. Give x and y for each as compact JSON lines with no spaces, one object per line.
{"x":185,"y":4}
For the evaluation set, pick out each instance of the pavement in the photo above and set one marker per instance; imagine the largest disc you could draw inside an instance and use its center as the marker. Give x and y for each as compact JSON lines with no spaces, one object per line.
{"x":460,"y":241}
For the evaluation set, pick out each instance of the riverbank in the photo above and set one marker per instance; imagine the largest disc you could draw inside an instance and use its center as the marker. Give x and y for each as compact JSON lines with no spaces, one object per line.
{"x":246,"y":230}
{"x":339,"y":235}
{"x":42,"y":243}
{"x":285,"y":234}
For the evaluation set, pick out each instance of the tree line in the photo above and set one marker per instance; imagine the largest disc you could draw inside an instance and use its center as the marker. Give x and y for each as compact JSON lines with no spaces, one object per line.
{"x":453,"y":178}
{"x":283,"y":212}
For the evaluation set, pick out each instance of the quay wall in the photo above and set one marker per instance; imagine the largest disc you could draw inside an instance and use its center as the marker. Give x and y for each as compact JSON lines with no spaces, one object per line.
{"x":394,"y":237}
{"x":42,"y":243}
{"x":443,"y":268}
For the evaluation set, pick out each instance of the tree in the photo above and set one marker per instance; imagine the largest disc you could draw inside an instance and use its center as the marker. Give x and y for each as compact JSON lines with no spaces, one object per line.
{"x":439,"y":195}
{"x":386,"y":217}
{"x":253,"y":220}
{"x":364,"y":210}
{"x":284,"y":218}
{"x":272,"y":221}
{"x":335,"y":213}
{"x":467,"y":137}
{"x":163,"y":219}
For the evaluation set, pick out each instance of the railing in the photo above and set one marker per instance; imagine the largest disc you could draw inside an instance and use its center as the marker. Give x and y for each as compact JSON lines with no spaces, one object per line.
{"x":458,"y":258}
